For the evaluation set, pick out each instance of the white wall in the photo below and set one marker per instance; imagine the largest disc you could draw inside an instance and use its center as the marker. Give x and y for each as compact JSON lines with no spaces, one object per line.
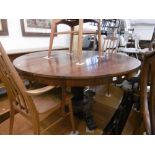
{"x":144,"y":32}
{"x":143,"y":28}
{"x":15,"y":40}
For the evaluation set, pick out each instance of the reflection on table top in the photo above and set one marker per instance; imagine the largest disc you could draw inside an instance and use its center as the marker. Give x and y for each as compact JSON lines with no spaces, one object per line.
{"x":64,"y":66}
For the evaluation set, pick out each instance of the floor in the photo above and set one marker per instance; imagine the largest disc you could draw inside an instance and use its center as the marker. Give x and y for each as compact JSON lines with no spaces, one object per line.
{"x":101,"y":114}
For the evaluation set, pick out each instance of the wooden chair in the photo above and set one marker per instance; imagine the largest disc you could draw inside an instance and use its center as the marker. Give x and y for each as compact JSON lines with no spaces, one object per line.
{"x":110,"y":44}
{"x":132,"y":47}
{"x":72,"y":23}
{"x":147,"y":101}
{"x":34,"y":108}
{"x":108,"y":95}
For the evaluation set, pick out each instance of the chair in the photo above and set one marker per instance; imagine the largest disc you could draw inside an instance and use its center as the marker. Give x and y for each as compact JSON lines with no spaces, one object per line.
{"x":72,"y":23}
{"x":131,"y":44}
{"x":134,"y":79}
{"x":147,"y":101}
{"x":34,"y":105}
{"x":110,"y":44}
{"x":108,"y":94}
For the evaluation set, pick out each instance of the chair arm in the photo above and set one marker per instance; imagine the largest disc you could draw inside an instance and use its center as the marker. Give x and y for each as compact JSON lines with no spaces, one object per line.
{"x":40,"y":90}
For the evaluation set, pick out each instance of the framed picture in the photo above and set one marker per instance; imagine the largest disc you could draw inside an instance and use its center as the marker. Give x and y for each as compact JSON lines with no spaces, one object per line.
{"x":3,"y":27}
{"x":36,"y":27}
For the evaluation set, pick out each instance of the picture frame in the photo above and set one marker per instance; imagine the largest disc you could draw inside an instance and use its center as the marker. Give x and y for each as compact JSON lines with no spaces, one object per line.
{"x":3,"y":27}
{"x":36,"y":27}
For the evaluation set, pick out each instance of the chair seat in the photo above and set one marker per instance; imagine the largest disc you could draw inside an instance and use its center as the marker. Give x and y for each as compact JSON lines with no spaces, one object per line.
{"x":50,"y":100}
{"x":130,"y":50}
{"x":133,"y":50}
{"x":47,"y":101}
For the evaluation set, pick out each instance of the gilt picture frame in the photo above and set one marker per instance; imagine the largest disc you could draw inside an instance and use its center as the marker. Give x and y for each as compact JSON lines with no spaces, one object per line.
{"x":3,"y":27}
{"x":36,"y":27}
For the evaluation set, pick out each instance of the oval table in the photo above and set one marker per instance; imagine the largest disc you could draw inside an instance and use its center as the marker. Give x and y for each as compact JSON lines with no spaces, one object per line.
{"x":63,"y":70}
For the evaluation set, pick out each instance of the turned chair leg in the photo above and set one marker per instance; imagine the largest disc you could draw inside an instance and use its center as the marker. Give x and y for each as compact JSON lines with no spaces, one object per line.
{"x":12,"y":113}
{"x":53,"y":29}
{"x":72,"y":117}
{"x":80,"y":40}
{"x":36,"y":129}
{"x":71,"y":41}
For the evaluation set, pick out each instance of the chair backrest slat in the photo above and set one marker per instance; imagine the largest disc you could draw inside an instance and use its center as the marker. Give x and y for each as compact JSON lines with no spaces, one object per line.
{"x":13,"y":87}
{"x":110,"y":44}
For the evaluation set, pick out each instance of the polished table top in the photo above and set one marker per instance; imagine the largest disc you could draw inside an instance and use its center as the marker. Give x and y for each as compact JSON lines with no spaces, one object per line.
{"x":63,"y":68}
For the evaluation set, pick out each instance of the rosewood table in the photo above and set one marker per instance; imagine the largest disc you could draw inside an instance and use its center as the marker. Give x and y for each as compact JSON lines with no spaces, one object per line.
{"x":63,"y":69}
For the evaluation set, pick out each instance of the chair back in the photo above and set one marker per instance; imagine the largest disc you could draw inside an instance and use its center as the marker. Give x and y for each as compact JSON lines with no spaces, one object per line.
{"x":16,"y":90}
{"x":148,"y":100}
{"x":110,"y":44}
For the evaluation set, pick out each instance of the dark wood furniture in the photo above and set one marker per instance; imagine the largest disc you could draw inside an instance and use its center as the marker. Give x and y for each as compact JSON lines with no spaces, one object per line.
{"x":62,"y":69}
{"x":19,"y":52}
{"x":34,"y":108}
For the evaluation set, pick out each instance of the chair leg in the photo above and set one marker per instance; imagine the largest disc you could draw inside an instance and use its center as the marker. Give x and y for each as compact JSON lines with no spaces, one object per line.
{"x":108,"y":94}
{"x":12,"y":113}
{"x":71,"y":41}
{"x":99,"y":38}
{"x":36,"y":132}
{"x":36,"y":129}
{"x":53,"y":29}
{"x":80,"y":40}
{"x":139,"y":127}
{"x":72,"y":117}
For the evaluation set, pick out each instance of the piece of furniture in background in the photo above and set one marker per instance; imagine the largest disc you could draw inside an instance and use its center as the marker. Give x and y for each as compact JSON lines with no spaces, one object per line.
{"x":147,"y":100}
{"x":110,"y":44}
{"x":72,"y":23}
{"x":109,"y":26}
{"x":89,"y":42}
{"x":32,"y":108}
{"x":131,"y":38}
{"x":131,"y":44}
